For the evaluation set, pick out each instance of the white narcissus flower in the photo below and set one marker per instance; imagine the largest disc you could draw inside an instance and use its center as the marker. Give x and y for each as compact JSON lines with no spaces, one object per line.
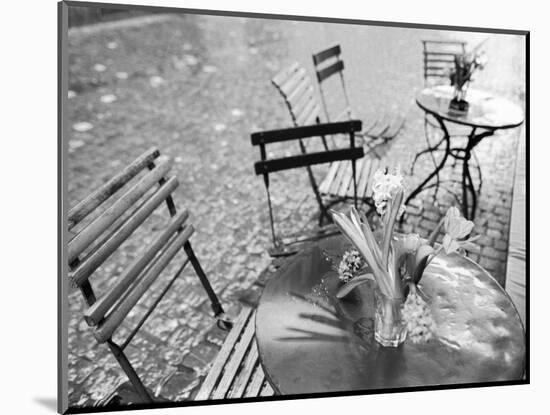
{"x":384,"y":188}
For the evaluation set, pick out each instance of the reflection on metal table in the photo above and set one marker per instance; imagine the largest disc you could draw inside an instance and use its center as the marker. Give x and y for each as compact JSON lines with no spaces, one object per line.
{"x":486,"y":114}
{"x":311,"y":342}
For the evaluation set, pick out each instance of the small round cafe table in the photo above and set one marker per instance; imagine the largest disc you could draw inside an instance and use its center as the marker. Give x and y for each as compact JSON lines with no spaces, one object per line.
{"x":486,"y":114}
{"x":311,"y":342}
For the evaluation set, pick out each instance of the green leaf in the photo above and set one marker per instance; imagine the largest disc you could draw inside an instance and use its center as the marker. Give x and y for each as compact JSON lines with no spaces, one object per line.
{"x":421,"y":260}
{"x":354,"y":283}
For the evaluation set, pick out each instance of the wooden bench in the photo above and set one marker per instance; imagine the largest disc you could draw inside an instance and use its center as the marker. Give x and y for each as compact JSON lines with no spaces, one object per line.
{"x":102,"y":223}
{"x":295,"y":87}
{"x":236,"y":372}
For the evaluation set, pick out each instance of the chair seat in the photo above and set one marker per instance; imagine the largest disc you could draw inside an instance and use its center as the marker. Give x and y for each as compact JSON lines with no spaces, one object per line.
{"x":386,"y":126}
{"x":339,"y":180}
{"x":236,"y":372}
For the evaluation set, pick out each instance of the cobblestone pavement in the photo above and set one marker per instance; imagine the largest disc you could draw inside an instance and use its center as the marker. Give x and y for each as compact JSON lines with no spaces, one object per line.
{"x":196,"y":87}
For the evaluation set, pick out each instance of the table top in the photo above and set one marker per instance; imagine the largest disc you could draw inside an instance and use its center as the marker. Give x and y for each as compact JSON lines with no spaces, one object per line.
{"x":485,"y":111}
{"x":311,"y":342}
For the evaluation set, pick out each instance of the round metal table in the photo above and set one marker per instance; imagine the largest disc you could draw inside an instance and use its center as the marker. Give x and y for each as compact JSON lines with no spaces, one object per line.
{"x":311,"y":342}
{"x":486,"y":114}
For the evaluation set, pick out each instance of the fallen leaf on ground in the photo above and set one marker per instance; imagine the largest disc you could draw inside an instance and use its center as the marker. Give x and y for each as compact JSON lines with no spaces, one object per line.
{"x":122,"y":75}
{"x":112,"y":45}
{"x":156,"y":81}
{"x":236,"y":112}
{"x":98,"y":67}
{"x":190,"y":60}
{"x":71,"y":94}
{"x":209,"y":69}
{"x":219,"y":127}
{"x":82,"y":126}
{"x":107,"y":99}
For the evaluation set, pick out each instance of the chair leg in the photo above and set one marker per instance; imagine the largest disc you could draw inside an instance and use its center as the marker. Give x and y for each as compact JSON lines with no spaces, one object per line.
{"x":130,"y":372}
{"x":214,"y":301}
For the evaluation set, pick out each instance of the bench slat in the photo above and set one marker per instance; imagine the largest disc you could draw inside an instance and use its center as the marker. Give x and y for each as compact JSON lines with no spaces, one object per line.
{"x":105,"y":329}
{"x":87,"y":267}
{"x":234,"y":363}
{"x":256,"y":382}
{"x":96,"y":312}
{"x":213,"y":376}
{"x":245,"y":373}
{"x":101,"y":223}
{"x":85,"y":207}
{"x":267,"y":390}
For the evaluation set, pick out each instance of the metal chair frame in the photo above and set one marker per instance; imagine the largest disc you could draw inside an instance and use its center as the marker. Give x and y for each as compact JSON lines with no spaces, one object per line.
{"x":265,"y":166}
{"x":106,"y":314}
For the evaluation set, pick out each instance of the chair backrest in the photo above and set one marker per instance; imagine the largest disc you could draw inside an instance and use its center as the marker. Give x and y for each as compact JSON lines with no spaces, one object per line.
{"x":295,"y":87}
{"x":107,"y":218}
{"x":328,"y":63}
{"x":439,"y":59}
{"x":264,"y":167}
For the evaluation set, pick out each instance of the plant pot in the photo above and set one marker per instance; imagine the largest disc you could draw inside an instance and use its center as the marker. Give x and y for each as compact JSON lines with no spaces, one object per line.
{"x":390,"y":330}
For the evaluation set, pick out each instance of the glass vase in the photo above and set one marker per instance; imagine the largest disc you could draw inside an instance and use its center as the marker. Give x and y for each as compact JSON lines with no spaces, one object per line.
{"x":390,"y":330}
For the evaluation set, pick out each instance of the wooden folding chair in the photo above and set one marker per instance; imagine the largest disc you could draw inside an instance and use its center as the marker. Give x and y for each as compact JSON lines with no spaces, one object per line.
{"x":329,"y":63}
{"x":98,"y":231}
{"x":348,"y":175}
{"x":298,"y":93}
{"x":439,"y":58}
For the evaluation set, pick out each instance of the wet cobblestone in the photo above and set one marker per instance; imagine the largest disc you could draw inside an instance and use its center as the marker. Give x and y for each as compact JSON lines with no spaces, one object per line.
{"x":196,"y":87}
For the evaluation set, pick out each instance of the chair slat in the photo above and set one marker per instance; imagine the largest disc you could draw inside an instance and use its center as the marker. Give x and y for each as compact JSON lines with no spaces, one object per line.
{"x":297,"y":109}
{"x":304,"y":88}
{"x":338,"y":179}
{"x":376,"y":165}
{"x":101,"y":223}
{"x":313,"y":117}
{"x":330,"y":70}
{"x":347,"y":179}
{"x":287,"y":134}
{"x":326,"y":54}
{"x":309,"y":159}
{"x":306,"y":111}
{"x":215,"y":371}
{"x":87,"y":267}
{"x":381,"y":127}
{"x":364,"y":176}
{"x":245,"y":373}
{"x":85,"y":207}
{"x":358,"y":172}
{"x":97,"y":311}
{"x":285,"y":74}
{"x":396,"y":125}
{"x":325,"y":185}
{"x":234,"y":363}
{"x":293,"y":81}
{"x":105,"y":329}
